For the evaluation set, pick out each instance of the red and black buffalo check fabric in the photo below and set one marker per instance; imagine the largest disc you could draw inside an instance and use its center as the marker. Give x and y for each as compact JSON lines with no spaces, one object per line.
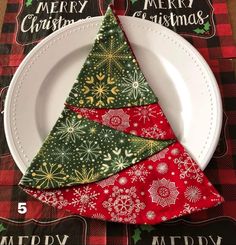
{"x":220,"y":171}
{"x":222,"y":45}
{"x":11,"y":194}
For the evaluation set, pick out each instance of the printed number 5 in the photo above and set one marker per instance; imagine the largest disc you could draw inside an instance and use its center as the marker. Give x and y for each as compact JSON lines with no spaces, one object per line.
{"x":22,"y":208}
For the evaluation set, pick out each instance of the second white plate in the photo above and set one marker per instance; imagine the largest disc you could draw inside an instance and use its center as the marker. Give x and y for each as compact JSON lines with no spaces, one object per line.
{"x":180,"y":77}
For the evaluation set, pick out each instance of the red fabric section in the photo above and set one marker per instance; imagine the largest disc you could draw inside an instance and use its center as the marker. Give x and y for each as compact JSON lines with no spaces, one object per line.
{"x":220,"y":8}
{"x":224,"y":29}
{"x":165,"y":186}
{"x":227,"y":50}
{"x":145,"y":121}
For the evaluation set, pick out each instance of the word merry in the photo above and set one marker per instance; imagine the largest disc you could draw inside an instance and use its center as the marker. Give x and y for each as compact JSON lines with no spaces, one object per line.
{"x":186,"y":240}
{"x":34,"y":240}
{"x":61,"y":7}
{"x":168,"y":4}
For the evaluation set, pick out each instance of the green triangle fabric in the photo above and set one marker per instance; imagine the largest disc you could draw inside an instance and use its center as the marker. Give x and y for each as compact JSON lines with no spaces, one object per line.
{"x":76,"y":152}
{"x":111,"y":77}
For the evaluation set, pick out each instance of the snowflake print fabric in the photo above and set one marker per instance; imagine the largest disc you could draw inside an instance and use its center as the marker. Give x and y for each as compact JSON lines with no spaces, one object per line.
{"x":111,"y":76}
{"x":112,"y":149}
{"x":145,"y":121}
{"x":149,"y":192}
{"x":79,"y":151}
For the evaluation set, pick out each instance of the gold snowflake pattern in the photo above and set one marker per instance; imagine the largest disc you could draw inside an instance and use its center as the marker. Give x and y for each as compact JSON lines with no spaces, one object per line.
{"x":118,"y":159}
{"x":84,"y":176}
{"x":49,"y":175}
{"x":100,"y":90}
{"x":119,"y":163}
{"x":48,"y":140}
{"x":143,"y":145}
{"x":111,"y":54}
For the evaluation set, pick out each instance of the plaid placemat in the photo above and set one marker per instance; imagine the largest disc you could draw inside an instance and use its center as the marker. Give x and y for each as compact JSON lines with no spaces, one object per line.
{"x":11,"y":195}
{"x":220,"y":45}
{"x":220,"y":171}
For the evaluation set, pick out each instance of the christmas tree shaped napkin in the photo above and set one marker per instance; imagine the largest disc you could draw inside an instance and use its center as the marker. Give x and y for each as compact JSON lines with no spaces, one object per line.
{"x":112,"y":149}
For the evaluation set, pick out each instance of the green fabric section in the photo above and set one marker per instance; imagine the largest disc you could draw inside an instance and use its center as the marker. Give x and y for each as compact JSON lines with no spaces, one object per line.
{"x":78,"y":151}
{"x":111,"y":77}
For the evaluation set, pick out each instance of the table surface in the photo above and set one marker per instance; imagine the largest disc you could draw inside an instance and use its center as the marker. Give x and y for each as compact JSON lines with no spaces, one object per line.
{"x":9,"y":201}
{"x":3,"y":4}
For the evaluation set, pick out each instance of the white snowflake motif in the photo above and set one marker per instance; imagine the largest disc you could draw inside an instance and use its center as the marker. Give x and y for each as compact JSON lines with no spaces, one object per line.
{"x":162,"y":168}
{"x":123,"y":205}
{"x":70,"y":130}
{"x":193,"y":193}
{"x":163,"y":192}
{"x":163,"y":218}
{"x":98,"y":216}
{"x":117,"y":119}
{"x":160,"y":155}
{"x":84,"y":199}
{"x":53,"y":198}
{"x":138,"y":173}
{"x":119,"y":163}
{"x":187,"y":209}
{"x":135,"y":85}
{"x":150,"y":215}
{"x":146,"y":113}
{"x":153,"y":132}
{"x":108,"y":181}
{"x":188,"y":168}
{"x":86,"y":112}
{"x":175,"y":152}
{"x":89,"y":150}
{"x":106,"y":135}
{"x":61,"y":202}
{"x":62,"y":154}
{"x":122,"y":180}
{"x":48,"y":197}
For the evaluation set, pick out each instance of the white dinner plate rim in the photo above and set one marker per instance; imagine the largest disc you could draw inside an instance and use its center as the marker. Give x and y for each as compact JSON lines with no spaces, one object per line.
{"x":7,"y":125}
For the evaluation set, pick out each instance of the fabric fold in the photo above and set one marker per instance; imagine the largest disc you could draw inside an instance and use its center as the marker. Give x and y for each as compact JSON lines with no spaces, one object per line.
{"x":111,"y":76}
{"x":146,"y":121}
{"x":77,"y":144}
{"x":163,"y":187}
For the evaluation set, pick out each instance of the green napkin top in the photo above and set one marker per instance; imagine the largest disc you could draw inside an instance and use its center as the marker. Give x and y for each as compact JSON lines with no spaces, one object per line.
{"x":79,"y":150}
{"x":110,"y":76}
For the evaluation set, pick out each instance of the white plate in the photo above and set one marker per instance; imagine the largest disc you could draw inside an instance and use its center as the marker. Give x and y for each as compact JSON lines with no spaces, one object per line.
{"x":180,"y":77}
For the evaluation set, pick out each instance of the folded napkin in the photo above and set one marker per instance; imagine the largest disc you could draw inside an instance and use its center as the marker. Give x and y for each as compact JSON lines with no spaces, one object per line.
{"x":76,"y":144}
{"x":165,"y":186}
{"x":109,"y":78}
{"x":112,"y":149}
